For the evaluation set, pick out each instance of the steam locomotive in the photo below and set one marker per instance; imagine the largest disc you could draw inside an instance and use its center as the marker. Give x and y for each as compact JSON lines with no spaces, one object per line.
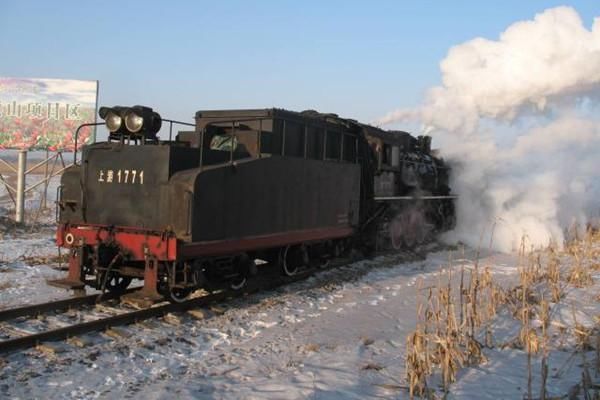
{"x":242,"y":189}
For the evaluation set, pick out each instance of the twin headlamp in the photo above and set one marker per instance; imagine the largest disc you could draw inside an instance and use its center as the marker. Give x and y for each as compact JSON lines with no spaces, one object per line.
{"x":133,"y":121}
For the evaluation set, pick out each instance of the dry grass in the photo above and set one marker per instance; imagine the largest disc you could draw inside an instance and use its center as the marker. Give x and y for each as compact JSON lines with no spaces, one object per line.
{"x":312,"y":347}
{"x":582,"y":252}
{"x":372,"y":366}
{"x":445,"y":337}
{"x":450,"y":318}
{"x":418,"y":363}
{"x":5,"y":285}
{"x":45,"y":259}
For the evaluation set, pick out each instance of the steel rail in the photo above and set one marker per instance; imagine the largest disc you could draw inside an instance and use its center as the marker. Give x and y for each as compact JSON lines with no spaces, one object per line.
{"x":139,"y":315}
{"x":36,"y":309}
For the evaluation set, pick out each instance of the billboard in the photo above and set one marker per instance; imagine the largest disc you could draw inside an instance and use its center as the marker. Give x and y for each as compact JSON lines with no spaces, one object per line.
{"x":39,"y":114}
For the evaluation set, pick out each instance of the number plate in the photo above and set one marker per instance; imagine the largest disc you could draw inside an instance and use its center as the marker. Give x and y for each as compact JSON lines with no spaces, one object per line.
{"x":124,"y":176}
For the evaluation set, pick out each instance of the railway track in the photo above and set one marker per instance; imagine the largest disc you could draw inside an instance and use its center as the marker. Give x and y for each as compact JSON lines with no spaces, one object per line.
{"x":36,"y":309}
{"x":29,"y":340}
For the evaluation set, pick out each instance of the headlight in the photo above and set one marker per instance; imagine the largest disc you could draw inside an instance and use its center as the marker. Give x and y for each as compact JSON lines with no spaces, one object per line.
{"x":113,"y":122}
{"x":138,"y":121}
{"x":133,"y":122}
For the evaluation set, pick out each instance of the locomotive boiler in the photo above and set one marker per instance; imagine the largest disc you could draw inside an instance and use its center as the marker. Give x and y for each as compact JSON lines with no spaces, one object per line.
{"x":242,"y":189}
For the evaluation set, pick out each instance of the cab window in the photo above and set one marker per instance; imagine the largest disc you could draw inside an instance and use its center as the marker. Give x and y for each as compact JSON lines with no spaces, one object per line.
{"x":223,"y":143}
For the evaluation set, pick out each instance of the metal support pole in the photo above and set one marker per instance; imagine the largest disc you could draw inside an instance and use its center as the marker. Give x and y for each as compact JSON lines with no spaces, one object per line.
{"x":232,"y":142}
{"x":259,"y":138}
{"x":21,"y":167}
{"x":283,"y":139}
{"x":43,"y":205}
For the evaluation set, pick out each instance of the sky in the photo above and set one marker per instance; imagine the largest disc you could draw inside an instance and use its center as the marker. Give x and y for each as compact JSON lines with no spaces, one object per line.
{"x":358,"y":59}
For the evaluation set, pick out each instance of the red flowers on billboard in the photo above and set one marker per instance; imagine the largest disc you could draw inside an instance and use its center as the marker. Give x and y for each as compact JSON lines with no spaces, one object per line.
{"x":39,"y":114}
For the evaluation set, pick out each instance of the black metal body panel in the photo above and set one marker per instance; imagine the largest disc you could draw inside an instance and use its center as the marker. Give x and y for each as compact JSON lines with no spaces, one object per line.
{"x":127,"y":185}
{"x":70,"y":195}
{"x":268,"y":195}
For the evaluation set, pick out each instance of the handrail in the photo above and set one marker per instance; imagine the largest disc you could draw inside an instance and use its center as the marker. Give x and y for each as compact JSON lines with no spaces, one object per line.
{"x":77,"y":135}
{"x":170,"y":121}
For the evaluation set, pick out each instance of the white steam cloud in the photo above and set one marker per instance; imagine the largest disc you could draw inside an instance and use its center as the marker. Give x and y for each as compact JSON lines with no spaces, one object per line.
{"x":516,"y":117}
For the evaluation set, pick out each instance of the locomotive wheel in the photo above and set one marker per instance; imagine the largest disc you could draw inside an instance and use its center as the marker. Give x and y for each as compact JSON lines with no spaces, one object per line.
{"x":292,"y":258}
{"x":242,"y":268}
{"x":116,"y":283}
{"x":238,"y":283}
{"x":409,"y":228}
{"x":420,"y":227}
{"x":397,"y":234}
{"x":179,"y":295}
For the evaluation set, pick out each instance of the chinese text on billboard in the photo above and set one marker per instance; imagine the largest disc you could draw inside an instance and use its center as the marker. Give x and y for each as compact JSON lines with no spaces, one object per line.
{"x":44,"y":113}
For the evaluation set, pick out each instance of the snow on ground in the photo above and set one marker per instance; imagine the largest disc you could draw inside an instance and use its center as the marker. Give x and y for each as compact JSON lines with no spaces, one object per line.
{"x":340,"y":334}
{"x":22,"y":282}
{"x":24,"y":249}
